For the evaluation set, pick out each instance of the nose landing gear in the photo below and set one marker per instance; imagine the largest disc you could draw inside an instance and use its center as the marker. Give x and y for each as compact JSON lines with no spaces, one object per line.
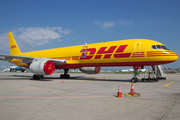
{"x":135,"y":79}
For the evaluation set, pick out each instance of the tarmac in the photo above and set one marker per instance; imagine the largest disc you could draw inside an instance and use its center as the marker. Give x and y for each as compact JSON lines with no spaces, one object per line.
{"x":87,"y":97}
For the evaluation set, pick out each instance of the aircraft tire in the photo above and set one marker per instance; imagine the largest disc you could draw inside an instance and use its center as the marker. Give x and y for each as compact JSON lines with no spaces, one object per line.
{"x":38,"y":77}
{"x":62,"y":76}
{"x":34,"y":77}
{"x":67,"y":76}
{"x":41,"y":76}
{"x":134,"y":80}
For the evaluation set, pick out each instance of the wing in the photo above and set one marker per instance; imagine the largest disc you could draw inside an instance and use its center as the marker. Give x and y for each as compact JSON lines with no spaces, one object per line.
{"x":28,"y":60}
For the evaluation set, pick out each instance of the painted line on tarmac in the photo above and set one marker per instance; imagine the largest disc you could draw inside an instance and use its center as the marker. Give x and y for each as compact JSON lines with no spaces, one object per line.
{"x":159,"y":93}
{"x":169,"y":83}
{"x":128,"y":83}
{"x":142,"y":83}
{"x":93,"y":96}
{"x":85,"y":80}
{"x":90,"y":96}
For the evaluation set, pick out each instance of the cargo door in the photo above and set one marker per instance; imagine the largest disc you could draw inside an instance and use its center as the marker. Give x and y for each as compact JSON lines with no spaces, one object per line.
{"x":84,"y":52}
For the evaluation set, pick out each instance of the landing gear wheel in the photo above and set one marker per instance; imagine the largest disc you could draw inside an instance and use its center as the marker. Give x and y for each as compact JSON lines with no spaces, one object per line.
{"x":67,"y":76}
{"x":134,"y":80}
{"x":38,"y":77}
{"x":34,"y":77}
{"x":41,"y":77}
{"x":61,"y":76}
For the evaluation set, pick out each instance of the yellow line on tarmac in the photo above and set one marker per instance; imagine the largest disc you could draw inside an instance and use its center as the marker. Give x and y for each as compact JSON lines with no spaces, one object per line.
{"x":128,"y":83}
{"x":169,"y":83}
{"x":84,"y":80}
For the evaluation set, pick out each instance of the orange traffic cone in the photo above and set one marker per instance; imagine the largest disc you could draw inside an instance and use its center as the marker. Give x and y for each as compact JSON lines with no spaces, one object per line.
{"x":119,"y":94}
{"x":132,"y":89}
{"x":104,"y":78}
{"x":62,"y":81}
{"x":132,"y":93}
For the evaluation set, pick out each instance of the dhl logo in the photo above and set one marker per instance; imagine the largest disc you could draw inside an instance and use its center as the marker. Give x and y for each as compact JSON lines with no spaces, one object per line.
{"x":104,"y":53}
{"x":14,"y":46}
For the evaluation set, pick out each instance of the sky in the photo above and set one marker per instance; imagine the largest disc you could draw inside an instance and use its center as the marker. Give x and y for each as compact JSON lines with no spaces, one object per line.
{"x":45,"y":24}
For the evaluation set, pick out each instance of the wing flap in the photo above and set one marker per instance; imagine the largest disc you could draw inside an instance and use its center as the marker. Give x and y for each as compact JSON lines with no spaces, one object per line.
{"x":29,"y":60}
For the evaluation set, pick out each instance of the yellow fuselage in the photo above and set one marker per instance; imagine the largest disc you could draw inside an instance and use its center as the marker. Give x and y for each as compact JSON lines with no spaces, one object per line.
{"x":133,"y":52}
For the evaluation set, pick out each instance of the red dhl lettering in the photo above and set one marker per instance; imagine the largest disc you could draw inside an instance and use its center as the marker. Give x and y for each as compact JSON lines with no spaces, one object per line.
{"x":14,"y":46}
{"x":121,"y":48}
{"x":119,"y":52}
{"x":89,"y":53}
{"x":103,"y":50}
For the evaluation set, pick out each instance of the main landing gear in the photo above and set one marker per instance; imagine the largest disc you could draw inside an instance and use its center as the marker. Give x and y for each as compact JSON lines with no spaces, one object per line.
{"x":65,"y":75}
{"x":135,"y":79}
{"x":38,"y":77}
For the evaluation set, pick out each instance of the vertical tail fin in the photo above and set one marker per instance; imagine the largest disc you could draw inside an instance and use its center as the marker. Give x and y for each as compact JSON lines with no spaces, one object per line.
{"x":14,"y":49}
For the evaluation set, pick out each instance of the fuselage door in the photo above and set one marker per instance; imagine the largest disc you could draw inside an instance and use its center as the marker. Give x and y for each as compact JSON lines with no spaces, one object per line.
{"x":137,"y":48}
{"x":84,"y":52}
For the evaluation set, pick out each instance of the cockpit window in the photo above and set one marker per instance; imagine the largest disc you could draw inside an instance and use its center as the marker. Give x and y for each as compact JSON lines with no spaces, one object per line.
{"x":164,"y":47}
{"x":159,"y":47}
{"x":153,"y":47}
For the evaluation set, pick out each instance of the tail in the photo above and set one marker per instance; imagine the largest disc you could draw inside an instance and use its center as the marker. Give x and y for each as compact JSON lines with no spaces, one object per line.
{"x":14,"y":49}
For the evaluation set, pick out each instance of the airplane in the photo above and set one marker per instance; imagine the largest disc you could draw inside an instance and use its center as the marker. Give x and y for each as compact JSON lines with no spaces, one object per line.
{"x":89,"y":58}
{"x":13,"y":69}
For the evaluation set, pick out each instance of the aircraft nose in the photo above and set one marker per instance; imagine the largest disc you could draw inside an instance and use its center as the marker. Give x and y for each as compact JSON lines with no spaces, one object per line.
{"x":173,"y":56}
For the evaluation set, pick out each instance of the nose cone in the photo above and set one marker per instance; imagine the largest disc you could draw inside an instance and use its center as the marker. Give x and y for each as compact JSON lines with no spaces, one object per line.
{"x":173,"y":56}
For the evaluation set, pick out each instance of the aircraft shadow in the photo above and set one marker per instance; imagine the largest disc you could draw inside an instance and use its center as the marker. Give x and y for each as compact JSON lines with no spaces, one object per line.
{"x":97,"y":79}
{"x":109,"y":80}
{"x":81,"y":78}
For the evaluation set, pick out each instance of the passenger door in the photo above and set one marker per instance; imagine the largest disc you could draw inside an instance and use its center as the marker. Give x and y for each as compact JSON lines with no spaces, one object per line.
{"x":137,"y":48}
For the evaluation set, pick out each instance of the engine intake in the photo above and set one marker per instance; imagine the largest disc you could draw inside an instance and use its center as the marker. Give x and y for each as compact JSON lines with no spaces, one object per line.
{"x":90,"y":70}
{"x":42,"y":67}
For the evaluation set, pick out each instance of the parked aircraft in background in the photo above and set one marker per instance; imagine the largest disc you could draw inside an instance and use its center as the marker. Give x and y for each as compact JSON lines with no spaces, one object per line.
{"x":132,"y":70}
{"x":13,"y":69}
{"x":89,"y":58}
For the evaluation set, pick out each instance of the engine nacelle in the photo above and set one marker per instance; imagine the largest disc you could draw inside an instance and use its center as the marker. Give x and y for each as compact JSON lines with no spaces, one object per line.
{"x":42,"y":67}
{"x":90,"y":70}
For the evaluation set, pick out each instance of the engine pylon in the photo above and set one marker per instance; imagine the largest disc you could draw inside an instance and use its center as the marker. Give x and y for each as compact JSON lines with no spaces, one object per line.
{"x":119,"y":94}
